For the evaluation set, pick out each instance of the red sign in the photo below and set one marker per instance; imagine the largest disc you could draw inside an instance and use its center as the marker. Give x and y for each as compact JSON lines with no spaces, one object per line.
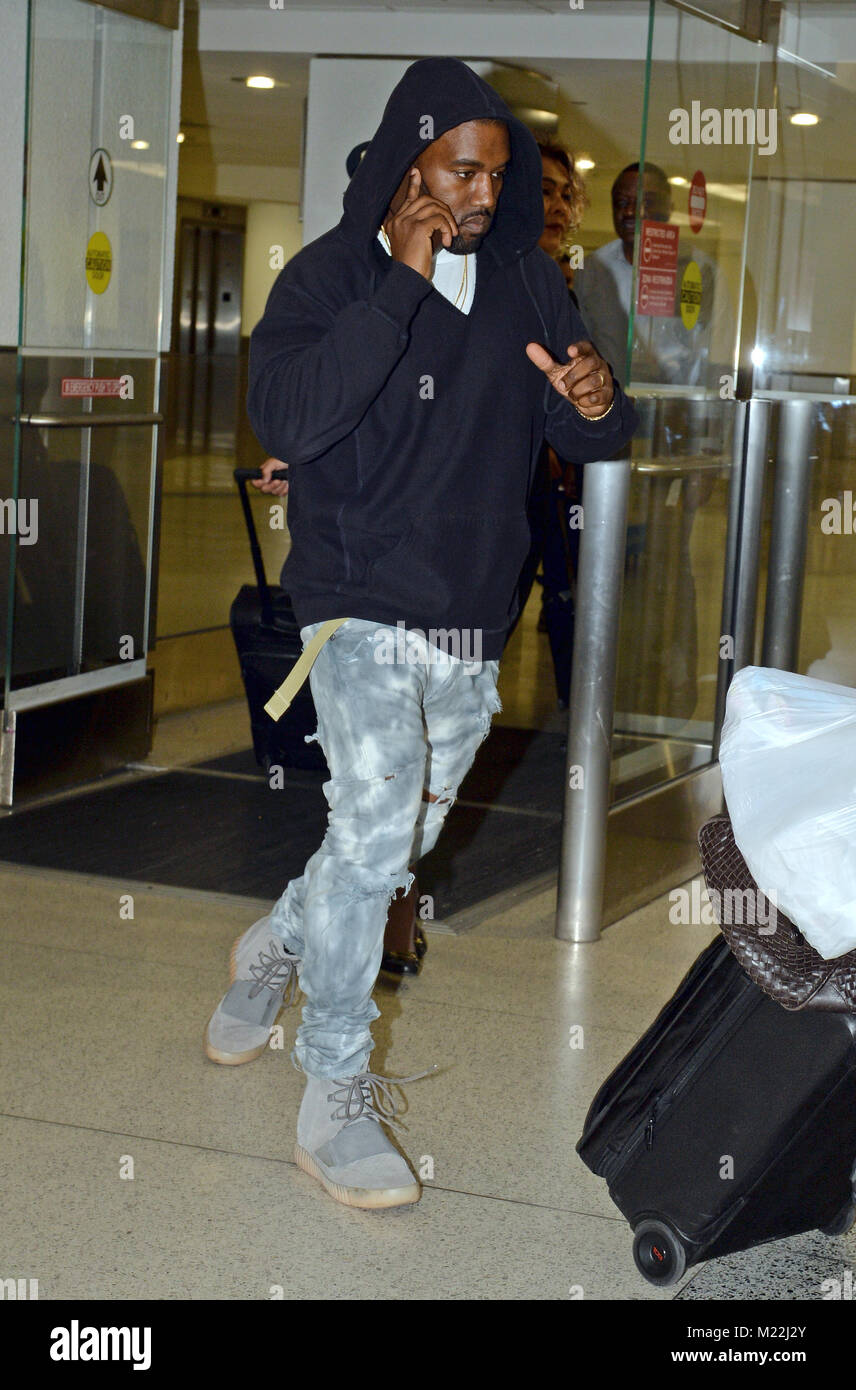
{"x":658,"y":269}
{"x":697,"y":201}
{"x":91,"y":385}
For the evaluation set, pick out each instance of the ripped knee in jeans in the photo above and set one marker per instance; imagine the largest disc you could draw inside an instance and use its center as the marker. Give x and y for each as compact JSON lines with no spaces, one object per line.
{"x":430,"y":796}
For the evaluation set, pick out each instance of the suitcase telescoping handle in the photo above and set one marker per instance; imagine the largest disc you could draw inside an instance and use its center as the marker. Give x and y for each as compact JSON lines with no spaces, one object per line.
{"x":242,"y":477}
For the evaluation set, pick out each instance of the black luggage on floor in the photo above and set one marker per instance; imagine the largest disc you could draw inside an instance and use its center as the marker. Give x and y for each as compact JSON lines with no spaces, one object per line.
{"x":731,"y":1122}
{"x":267,"y":638}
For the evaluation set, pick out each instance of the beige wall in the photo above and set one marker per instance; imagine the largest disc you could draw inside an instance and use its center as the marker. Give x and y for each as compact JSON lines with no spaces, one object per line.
{"x":268,"y":225}
{"x":198,"y":177}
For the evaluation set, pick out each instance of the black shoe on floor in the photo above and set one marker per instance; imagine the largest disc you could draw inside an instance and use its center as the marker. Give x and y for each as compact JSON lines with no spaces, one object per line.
{"x":406,"y":962}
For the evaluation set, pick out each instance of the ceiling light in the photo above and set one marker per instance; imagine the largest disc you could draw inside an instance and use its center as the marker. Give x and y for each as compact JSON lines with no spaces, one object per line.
{"x":538,"y":114}
{"x":139,"y":144}
{"x":584,"y":163}
{"x":260,"y":81}
{"x":679,"y":181}
{"x":180,"y":137}
{"x":804,"y":118}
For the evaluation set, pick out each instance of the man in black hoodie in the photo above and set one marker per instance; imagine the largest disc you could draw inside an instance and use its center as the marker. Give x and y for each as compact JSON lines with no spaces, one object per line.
{"x":408,"y":366}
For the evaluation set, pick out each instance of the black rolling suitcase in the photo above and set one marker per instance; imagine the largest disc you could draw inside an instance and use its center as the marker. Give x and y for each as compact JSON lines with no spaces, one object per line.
{"x":267,"y":638}
{"x":731,"y":1122}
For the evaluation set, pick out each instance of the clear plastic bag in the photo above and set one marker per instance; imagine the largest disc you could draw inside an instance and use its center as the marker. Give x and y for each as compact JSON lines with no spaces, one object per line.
{"x":788,"y":758}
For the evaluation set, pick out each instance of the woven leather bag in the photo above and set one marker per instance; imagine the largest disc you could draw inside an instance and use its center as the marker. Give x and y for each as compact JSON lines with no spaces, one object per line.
{"x":781,"y":962}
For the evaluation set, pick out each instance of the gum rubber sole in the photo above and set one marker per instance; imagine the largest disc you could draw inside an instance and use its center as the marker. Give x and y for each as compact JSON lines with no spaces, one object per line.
{"x":231,"y":1059}
{"x":367,"y":1198}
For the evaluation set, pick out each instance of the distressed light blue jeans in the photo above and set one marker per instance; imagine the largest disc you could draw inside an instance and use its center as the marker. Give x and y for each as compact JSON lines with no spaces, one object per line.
{"x":390,"y":730}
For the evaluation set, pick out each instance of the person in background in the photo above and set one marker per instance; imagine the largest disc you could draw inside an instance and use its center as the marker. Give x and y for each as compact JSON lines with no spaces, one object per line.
{"x":565,"y":200}
{"x":663,"y":349}
{"x":665,"y":352}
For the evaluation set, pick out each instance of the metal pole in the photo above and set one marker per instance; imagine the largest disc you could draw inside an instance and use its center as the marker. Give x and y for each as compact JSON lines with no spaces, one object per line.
{"x":7,"y":756}
{"x":788,"y":536}
{"x":606,"y":490}
{"x":742,"y":549}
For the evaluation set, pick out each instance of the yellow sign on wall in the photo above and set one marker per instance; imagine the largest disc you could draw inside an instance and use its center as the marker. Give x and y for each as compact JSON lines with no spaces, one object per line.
{"x":691,"y":295}
{"x":99,"y":262}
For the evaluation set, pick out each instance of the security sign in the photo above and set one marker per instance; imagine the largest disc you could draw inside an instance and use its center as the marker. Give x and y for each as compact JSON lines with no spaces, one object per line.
{"x":690,"y":295}
{"x":99,"y":262}
{"x":100,"y":177}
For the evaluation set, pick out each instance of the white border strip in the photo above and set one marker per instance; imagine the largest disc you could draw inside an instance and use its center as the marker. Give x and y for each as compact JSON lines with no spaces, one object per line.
{"x":36,"y":696}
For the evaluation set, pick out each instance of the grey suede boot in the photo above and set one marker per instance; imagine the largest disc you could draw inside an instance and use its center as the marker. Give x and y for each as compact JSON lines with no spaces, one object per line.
{"x":341,"y":1140}
{"x":264,"y":977}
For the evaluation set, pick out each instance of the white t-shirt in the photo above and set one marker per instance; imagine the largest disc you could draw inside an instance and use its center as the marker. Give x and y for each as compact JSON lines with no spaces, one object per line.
{"x":453,"y":276}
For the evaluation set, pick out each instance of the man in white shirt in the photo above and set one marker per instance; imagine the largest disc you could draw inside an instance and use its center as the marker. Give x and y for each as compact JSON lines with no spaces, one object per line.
{"x":664,"y":351}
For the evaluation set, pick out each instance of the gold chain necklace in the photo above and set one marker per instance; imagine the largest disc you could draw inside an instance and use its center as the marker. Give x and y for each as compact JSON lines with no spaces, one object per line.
{"x":462,"y":292}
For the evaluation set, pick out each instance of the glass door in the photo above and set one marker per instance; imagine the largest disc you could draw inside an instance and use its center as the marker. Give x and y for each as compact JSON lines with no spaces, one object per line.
{"x":803,"y":346}
{"x":665,"y":301}
{"x":684,"y":225}
{"x":738,"y":326}
{"x":80,"y":468}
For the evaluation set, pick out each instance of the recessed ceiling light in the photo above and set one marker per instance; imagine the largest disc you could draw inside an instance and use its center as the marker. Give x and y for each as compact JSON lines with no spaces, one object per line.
{"x":804,"y":118}
{"x":540,"y":121}
{"x":180,"y":137}
{"x":139,"y":144}
{"x":679,"y":181}
{"x":584,"y":162}
{"x":261,"y":81}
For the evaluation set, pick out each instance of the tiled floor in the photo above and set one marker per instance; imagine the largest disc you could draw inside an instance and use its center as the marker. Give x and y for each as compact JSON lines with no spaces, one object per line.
{"x":103,"y":1073}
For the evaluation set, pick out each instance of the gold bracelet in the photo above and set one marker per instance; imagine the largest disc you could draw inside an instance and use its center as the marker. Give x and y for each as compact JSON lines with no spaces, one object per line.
{"x":593,"y":418}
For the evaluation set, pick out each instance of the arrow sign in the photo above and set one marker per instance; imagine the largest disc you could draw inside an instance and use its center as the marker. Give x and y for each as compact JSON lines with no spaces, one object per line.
{"x":100,"y":177}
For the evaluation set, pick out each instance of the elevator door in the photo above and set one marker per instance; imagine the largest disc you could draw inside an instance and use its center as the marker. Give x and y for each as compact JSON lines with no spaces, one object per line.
{"x":208,"y":336}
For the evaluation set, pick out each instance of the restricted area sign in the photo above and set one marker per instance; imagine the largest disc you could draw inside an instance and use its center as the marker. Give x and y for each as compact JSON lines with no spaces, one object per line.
{"x":99,"y":262}
{"x":697,"y":201}
{"x":658,"y":269}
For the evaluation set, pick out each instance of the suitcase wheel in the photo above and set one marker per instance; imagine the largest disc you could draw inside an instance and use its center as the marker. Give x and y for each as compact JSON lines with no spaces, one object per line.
{"x":658,"y":1254}
{"x":842,"y":1223}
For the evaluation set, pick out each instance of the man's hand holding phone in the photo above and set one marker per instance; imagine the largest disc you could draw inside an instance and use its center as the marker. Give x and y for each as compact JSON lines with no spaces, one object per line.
{"x":419,"y":228}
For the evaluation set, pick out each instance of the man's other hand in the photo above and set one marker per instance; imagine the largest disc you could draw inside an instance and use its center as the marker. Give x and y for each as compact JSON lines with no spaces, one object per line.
{"x":277,"y":486}
{"x":587,"y":383}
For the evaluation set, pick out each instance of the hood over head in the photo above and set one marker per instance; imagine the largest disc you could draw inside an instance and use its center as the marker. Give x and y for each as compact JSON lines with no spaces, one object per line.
{"x":450,"y":93}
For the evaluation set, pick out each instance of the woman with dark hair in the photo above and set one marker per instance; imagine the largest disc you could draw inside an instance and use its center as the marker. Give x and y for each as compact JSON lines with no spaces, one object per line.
{"x":565,"y":199}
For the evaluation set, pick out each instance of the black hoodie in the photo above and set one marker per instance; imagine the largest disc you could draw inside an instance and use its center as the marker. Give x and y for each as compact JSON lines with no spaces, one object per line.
{"x":407,"y":499}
